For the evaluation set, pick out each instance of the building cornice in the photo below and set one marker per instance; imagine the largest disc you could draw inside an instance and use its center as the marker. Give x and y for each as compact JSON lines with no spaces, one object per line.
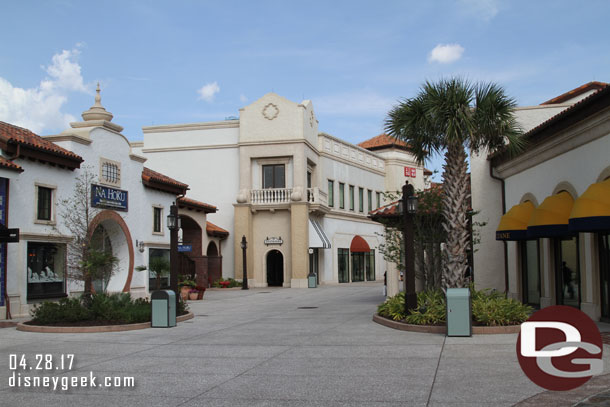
{"x":289,"y":141}
{"x":137,"y":158}
{"x":69,"y":137}
{"x":225,"y":124}
{"x":44,"y":237}
{"x":188,"y":148}
{"x":350,"y":217}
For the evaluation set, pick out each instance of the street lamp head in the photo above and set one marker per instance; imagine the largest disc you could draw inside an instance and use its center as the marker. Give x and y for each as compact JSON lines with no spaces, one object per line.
{"x":173,"y":220}
{"x":412,"y":205}
{"x":244,"y":243}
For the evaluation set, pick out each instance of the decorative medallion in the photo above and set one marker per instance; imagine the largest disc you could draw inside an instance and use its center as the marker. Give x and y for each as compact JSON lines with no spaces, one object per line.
{"x":270,"y":111}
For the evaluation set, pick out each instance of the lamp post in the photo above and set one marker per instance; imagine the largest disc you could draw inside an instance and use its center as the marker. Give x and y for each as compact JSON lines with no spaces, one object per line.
{"x":173,"y":224}
{"x":244,"y":246}
{"x":407,"y":208}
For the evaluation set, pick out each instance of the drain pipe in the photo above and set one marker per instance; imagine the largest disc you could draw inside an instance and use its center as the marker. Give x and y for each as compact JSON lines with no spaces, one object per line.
{"x":491,"y":174}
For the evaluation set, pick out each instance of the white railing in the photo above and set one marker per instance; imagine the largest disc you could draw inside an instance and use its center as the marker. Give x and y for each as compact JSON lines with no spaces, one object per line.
{"x":270,"y":196}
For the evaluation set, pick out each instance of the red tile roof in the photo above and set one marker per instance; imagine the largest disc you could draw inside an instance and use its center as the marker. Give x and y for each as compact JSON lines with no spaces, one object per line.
{"x":383,"y":141}
{"x":213,"y":230}
{"x":389,"y":210}
{"x":184,"y":202}
{"x":575,"y":92}
{"x":4,"y":163}
{"x":15,"y":139}
{"x":156,"y":180}
{"x":427,"y":172}
{"x":562,"y":120}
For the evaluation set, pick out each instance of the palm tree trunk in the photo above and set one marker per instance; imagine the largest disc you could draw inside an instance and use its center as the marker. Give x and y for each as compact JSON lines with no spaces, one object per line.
{"x":455,"y":205}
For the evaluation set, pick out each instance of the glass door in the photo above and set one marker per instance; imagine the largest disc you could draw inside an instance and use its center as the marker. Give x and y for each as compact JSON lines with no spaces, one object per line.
{"x":530,"y":272}
{"x":567,"y":273}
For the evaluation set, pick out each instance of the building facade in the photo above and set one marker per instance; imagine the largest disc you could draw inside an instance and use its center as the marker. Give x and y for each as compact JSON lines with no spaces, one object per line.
{"x":300,"y":197}
{"x":127,"y":204}
{"x":548,"y":208}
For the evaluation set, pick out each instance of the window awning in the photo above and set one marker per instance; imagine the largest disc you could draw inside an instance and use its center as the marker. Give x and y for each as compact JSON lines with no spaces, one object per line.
{"x":359,"y":245}
{"x":551,"y":218}
{"x":317,"y":237}
{"x":591,"y":212}
{"x":513,"y":224}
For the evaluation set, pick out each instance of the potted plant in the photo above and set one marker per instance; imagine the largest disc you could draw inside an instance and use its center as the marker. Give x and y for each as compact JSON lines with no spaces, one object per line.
{"x":186,"y":285}
{"x":201,"y":291}
{"x":193,"y":294}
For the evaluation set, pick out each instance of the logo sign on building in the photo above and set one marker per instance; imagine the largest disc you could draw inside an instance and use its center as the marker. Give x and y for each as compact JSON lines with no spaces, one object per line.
{"x":560,"y":348}
{"x":274,"y":240}
{"x":185,"y":248}
{"x":410,"y":172}
{"x":108,"y":198}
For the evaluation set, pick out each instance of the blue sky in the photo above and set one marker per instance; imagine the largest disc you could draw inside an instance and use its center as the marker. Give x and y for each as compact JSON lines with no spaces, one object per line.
{"x":188,"y":61}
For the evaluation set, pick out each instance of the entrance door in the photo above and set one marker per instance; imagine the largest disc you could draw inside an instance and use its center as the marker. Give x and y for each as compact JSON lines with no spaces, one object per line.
{"x":275,"y":268}
{"x":567,"y":273}
{"x":604,"y":271}
{"x":530,"y":273}
{"x":313,"y":265}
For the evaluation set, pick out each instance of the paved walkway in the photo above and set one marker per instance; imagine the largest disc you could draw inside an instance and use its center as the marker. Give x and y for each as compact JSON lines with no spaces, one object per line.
{"x":269,"y":347}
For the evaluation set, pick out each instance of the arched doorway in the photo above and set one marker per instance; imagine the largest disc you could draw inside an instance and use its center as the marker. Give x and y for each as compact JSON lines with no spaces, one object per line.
{"x":214,"y":263}
{"x":275,"y":268}
{"x":192,"y":263}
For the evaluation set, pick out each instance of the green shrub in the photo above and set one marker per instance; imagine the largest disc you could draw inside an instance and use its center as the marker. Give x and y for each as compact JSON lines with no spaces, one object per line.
{"x":489,"y":308}
{"x":65,"y":310}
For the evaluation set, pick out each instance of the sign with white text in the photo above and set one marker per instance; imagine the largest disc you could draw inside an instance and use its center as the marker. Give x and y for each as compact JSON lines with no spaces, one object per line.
{"x":109,"y":198}
{"x":410,"y":172}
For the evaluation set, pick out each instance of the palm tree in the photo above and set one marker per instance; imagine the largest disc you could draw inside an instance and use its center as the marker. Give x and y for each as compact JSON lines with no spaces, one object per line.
{"x":452,"y":115}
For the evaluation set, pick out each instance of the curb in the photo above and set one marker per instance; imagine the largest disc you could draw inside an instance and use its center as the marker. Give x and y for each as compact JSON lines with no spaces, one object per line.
{"x":92,"y":329}
{"x":222,"y":289}
{"x":433,"y":329}
{"x":583,"y":395}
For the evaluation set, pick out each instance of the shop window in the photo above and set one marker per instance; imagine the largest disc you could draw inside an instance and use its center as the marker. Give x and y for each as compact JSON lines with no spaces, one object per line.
{"x":370,"y":199}
{"x":331,"y":193}
{"x":46,"y":270}
{"x":341,"y":195}
{"x":360,"y":199}
{"x":567,"y":273}
{"x":274,"y":176}
{"x":158,"y":269}
{"x":343,"y":262}
{"x":604,"y":271}
{"x":369,"y":265}
{"x":351,"y":197}
{"x":44,"y":197}
{"x":110,"y":172}
{"x":530,"y":272}
{"x":158,"y":220}
{"x":358,"y":266}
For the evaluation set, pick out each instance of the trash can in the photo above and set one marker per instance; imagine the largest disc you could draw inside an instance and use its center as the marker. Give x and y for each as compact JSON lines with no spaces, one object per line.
{"x":459,"y":312}
{"x":163,"y":309}
{"x":311,"y":280}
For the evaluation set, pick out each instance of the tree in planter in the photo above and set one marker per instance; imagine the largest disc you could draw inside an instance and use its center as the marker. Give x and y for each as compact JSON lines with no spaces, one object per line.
{"x":86,"y":263}
{"x":452,"y":115}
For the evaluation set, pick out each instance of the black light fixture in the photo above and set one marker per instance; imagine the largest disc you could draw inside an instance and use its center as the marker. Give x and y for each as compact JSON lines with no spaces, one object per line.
{"x":173,"y":224}
{"x":244,"y":247}
{"x":409,"y":201}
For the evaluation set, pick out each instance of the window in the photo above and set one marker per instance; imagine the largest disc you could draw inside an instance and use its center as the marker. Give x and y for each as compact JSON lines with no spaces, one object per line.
{"x":110,"y":172}
{"x":331,"y":193}
{"x":46,"y":265}
{"x":274,"y":176}
{"x":530,"y":272}
{"x":158,"y":269}
{"x":567,"y":273}
{"x":157,"y":219}
{"x":378,"y":199}
{"x":358,"y":266}
{"x":351,"y":197}
{"x":360,"y":199}
{"x":369,"y":265}
{"x":343,"y":262}
{"x":370,"y":199}
{"x":45,"y":203}
{"x":341,"y":195}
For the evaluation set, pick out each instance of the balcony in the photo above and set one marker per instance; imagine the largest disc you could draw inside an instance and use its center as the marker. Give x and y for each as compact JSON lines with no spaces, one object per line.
{"x":273,"y":197}
{"x":270,"y":196}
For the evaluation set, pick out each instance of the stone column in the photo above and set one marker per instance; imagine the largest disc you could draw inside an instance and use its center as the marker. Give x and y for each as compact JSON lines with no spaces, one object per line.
{"x":299,"y":237}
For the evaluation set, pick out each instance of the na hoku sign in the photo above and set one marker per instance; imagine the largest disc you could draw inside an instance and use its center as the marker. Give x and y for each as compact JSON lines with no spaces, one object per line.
{"x":108,"y":198}
{"x":274,"y":240}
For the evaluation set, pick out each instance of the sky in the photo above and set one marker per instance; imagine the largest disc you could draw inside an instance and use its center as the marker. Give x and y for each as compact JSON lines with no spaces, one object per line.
{"x":162,"y":62}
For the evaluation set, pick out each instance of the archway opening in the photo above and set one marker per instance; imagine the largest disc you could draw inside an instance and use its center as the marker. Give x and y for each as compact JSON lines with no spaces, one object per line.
{"x":275,"y":268}
{"x":214,"y":263}
{"x":107,"y":242}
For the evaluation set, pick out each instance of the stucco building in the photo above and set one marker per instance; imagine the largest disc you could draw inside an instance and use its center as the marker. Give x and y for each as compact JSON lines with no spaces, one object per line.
{"x":299,"y":196}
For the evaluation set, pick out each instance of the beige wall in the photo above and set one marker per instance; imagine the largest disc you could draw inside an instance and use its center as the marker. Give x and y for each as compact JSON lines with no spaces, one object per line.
{"x":267,"y":224}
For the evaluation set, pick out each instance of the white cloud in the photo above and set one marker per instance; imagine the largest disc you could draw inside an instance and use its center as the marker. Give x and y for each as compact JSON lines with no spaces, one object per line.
{"x":446,"y":53}
{"x":208,"y":91}
{"x":39,"y":108}
{"x":243,"y":98}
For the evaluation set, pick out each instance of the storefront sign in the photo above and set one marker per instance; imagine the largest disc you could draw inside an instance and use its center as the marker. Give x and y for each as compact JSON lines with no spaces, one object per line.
{"x":109,"y":198}
{"x":185,"y":248}
{"x":410,"y":172}
{"x":274,"y":240}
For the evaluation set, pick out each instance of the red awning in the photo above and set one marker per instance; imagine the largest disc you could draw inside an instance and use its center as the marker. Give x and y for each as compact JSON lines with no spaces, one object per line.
{"x":359,"y":245}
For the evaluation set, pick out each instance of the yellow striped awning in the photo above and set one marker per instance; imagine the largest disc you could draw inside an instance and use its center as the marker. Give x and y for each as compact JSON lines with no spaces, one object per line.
{"x":513,"y":225}
{"x":591,"y":212}
{"x":551,"y":218}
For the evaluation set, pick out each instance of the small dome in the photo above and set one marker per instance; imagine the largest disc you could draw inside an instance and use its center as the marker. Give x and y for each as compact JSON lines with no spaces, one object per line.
{"x":97,"y":111}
